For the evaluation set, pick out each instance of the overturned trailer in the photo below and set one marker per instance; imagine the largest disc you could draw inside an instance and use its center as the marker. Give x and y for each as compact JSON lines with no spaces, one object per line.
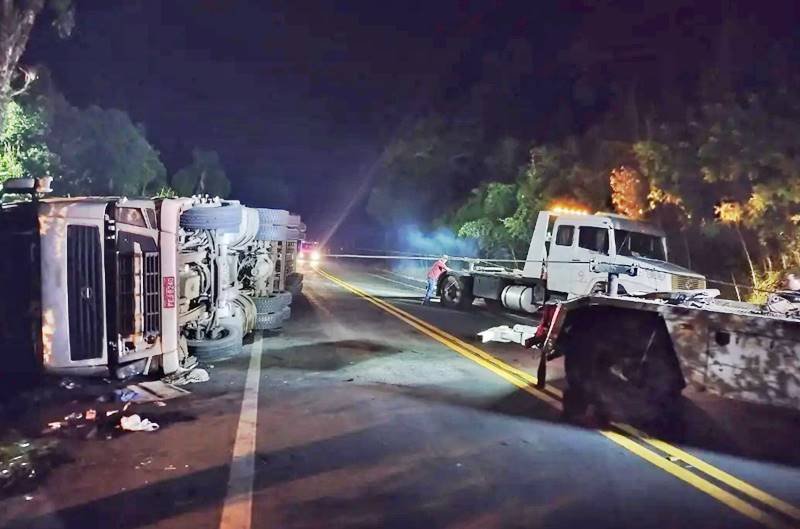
{"x":635,"y":355}
{"x":112,"y":285}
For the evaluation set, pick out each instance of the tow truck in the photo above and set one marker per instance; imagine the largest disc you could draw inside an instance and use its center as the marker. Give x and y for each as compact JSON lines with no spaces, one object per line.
{"x":633,"y":355}
{"x":116,"y":285}
{"x":563,"y":244}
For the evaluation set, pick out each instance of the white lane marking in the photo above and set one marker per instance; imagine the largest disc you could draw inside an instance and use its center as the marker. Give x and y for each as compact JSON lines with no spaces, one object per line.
{"x":237,"y":511}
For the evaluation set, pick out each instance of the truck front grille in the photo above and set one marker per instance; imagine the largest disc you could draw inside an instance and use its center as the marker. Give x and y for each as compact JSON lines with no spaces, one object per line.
{"x":687,"y":282}
{"x":128,"y":295}
{"x":152,"y":293}
{"x":85,"y":292}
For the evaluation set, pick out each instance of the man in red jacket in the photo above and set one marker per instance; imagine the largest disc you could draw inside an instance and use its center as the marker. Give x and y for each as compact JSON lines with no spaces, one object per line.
{"x":438,"y":268}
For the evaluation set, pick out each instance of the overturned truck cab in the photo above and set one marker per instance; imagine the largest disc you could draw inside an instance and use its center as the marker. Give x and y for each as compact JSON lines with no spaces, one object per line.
{"x":635,"y":355}
{"x":113,"y":286}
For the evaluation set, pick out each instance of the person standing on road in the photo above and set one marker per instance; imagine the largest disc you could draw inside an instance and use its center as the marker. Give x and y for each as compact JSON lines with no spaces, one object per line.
{"x":438,"y":268}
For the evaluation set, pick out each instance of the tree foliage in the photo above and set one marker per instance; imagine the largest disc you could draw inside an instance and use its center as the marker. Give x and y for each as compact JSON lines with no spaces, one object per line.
{"x":17,"y":19}
{"x":23,"y":148}
{"x":103,"y":152}
{"x":628,"y":192}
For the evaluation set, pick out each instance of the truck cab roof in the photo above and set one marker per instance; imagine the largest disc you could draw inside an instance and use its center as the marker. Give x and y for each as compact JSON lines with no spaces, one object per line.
{"x":612,"y":220}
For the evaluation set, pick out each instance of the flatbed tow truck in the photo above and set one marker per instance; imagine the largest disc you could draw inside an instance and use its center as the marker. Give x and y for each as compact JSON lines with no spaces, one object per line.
{"x":635,"y":354}
{"x":562,"y":246}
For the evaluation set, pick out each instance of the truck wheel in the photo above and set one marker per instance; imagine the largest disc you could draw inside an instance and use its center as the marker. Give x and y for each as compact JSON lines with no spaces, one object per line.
{"x":225,"y":217}
{"x":294,"y":283}
{"x":271,"y":233}
{"x":273,"y":217}
{"x":226,"y":344}
{"x":274,"y":303}
{"x":274,"y":320}
{"x":455,"y":293}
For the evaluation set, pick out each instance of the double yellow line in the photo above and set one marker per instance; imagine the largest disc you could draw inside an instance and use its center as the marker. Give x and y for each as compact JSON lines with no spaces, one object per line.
{"x":756,"y":504}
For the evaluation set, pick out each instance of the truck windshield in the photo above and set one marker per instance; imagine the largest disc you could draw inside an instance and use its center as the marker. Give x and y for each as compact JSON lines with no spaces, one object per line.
{"x":635,"y":244}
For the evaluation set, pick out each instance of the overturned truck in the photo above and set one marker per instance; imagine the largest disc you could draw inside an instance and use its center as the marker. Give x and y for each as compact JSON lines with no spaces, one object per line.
{"x":114,"y":286}
{"x":635,"y":355}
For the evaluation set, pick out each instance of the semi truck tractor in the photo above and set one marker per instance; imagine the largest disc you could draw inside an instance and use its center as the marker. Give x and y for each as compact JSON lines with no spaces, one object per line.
{"x":558,"y":264}
{"x":112,"y":285}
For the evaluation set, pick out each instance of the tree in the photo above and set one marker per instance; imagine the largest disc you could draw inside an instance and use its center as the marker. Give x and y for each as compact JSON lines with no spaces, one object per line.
{"x":103,"y":152}
{"x":488,"y":216}
{"x":424,"y":170}
{"x":17,"y":19}
{"x":23,"y":148}
{"x":628,"y":192}
{"x":205,"y":176}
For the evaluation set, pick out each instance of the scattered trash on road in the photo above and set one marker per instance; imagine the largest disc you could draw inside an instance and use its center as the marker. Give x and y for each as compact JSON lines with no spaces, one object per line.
{"x":192,"y":376}
{"x":151,"y":391}
{"x":91,"y":415}
{"x":134,"y":423}
{"x":75,"y":416}
{"x":506,"y":334}
{"x":22,"y":463}
{"x":125,"y":394}
{"x":68,"y":383}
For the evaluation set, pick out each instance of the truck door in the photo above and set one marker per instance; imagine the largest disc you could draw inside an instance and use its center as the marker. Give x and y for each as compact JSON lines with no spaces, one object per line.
{"x":560,"y":268}
{"x":592,"y":244}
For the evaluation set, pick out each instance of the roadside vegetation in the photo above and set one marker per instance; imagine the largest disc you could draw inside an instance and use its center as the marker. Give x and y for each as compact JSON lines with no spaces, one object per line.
{"x":707,"y":149}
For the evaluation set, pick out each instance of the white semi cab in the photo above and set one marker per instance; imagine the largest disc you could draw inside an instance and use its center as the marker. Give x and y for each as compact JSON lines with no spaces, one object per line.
{"x":564,"y":249}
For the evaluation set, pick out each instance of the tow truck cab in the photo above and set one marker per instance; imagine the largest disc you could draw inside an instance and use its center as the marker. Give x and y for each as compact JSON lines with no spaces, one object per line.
{"x":563,"y":245}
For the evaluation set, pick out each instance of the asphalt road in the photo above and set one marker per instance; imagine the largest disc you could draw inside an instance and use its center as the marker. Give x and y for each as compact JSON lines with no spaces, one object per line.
{"x":369,"y":410}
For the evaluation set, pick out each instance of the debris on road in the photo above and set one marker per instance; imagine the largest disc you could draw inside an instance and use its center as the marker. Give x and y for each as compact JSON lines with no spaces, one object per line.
{"x":91,"y":415}
{"x":134,"y":423}
{"x":192,"y":376}
{"x":151,"y":391}
{"x":22,"y":463}
{"x":505,"y":334}
{"x":69,"y":384}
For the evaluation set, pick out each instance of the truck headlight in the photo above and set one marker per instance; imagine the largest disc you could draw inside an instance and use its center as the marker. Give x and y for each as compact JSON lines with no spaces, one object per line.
{"x":315,"y":255}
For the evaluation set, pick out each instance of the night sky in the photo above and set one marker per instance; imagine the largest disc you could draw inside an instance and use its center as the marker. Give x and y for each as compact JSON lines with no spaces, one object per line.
{"x":311,"y":91}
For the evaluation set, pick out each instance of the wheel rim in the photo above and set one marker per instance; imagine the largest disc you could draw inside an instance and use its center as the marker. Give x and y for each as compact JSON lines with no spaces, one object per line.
{"x":451,"y":290}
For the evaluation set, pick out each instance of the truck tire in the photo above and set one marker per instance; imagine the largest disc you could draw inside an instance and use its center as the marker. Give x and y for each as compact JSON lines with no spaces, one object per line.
{"x":456,"y":293}
{"x":225,"y":217}
{"x":294,"y":283}
{"x":227,"y":345}
{"x":273,"y":217}
{"x":271,"y":233}
{"x":274,"y":303}
{"x":274,"y":320}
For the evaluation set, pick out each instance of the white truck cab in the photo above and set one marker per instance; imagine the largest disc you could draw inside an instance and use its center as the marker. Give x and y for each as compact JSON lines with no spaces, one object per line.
{"x":564,"y":246}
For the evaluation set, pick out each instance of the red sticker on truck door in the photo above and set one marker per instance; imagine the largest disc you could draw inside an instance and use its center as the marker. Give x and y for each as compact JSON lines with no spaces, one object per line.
{"x":169,"y":292}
